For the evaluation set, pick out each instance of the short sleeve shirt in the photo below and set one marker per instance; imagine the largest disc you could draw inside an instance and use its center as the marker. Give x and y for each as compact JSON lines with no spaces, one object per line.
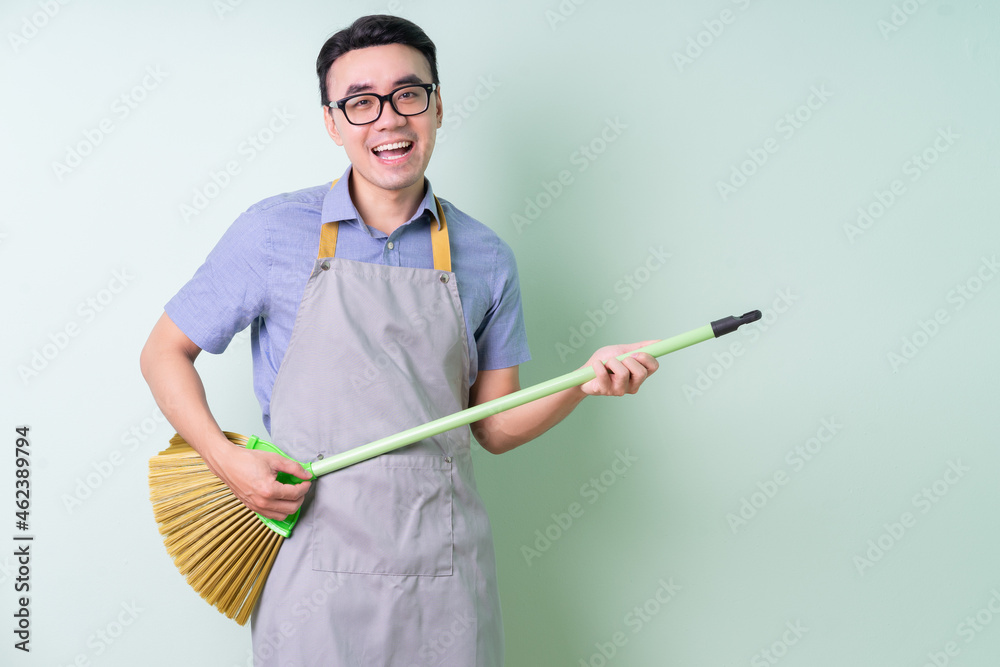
{"x":256,"y":274}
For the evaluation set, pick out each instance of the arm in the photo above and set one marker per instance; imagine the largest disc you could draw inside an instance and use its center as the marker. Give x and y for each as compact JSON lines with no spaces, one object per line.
{"x":504,"y":431}
{"x":167,"y":364}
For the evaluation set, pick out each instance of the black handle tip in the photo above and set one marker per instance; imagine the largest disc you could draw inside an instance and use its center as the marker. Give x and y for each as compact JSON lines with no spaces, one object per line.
{"x":730,"y":324}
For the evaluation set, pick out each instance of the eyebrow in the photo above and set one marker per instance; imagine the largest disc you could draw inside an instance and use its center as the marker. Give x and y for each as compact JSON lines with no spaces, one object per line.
{"x":366,"y":86}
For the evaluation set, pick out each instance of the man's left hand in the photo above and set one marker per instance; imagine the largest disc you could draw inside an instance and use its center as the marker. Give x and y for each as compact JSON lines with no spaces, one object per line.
{"x":617,"y":378}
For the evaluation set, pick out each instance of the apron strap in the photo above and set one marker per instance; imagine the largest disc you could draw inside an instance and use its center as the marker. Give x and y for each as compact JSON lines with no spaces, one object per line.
{"x":440,"y":245}
{"x":439,"y":241}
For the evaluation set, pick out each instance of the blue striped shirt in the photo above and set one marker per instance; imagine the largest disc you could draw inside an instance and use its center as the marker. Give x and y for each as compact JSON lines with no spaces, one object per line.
{"x":256,"y":274}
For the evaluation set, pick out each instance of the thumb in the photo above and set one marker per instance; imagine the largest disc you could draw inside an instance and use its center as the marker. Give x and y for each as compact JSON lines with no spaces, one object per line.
{"x":279,"y":463}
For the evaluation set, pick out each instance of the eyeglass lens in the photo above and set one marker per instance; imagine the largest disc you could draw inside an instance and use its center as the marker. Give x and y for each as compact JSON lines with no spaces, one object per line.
{"x":408,"y":101}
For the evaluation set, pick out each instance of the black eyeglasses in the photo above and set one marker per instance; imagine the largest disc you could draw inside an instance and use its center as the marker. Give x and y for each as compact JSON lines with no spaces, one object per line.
{"x":409,"y":100}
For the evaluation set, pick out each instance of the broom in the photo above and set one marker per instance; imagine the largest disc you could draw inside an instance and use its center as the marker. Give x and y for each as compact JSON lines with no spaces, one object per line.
{"x":225,"y":550}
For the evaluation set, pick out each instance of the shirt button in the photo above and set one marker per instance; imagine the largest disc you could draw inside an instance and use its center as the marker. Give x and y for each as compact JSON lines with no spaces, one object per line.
{"x":444,"y":277}
{"x":389,"y":245}
{"x":325,"y":266}
{"x":447,"y":459}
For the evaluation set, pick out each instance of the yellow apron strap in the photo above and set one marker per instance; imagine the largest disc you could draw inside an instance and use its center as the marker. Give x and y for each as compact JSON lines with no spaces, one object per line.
{"x":440,"y":245}
{"x":439,"y":241}
{"x":328,"y":239}
{"x":328,"y":235}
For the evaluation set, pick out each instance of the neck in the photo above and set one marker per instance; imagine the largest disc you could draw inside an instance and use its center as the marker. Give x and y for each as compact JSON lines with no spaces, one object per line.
{"x":385,"y":210}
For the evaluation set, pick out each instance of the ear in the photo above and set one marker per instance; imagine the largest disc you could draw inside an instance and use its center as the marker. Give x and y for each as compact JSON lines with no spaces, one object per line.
{"x":440,"y":107}
{"x":331,"y":126}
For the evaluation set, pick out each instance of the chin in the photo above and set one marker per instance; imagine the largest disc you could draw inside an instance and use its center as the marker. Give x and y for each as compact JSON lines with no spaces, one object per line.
{"x":387,"y":179}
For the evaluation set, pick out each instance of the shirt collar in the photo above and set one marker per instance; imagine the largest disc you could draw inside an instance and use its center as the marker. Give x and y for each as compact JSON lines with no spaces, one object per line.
{"x":337,"y":205}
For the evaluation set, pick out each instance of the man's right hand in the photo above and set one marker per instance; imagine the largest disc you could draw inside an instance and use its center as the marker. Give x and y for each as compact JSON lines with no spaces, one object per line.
{"x":250,"y":474}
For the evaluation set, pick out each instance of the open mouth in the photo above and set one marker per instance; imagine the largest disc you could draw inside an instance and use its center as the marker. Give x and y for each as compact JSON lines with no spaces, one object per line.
{"x":393,"y":151}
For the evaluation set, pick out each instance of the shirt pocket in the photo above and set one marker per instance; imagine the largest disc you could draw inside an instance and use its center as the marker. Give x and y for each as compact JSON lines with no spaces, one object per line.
{"x":388,"y":515}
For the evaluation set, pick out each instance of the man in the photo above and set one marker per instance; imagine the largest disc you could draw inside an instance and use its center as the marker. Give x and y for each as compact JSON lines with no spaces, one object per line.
{"x":374,"y":307}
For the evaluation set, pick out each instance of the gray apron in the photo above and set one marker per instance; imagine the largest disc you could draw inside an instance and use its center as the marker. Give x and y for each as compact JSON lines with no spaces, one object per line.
{"x":392,"y":560}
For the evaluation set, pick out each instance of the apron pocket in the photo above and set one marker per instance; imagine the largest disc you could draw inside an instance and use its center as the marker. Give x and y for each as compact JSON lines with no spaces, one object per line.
{"x":388,"y":515}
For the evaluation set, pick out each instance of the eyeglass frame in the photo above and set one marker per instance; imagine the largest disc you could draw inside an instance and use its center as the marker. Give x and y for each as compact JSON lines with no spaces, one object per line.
{"x":382,"y":99}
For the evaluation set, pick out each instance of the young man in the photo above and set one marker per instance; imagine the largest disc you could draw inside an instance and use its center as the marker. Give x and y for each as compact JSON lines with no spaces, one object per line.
{"x":374,"y":307}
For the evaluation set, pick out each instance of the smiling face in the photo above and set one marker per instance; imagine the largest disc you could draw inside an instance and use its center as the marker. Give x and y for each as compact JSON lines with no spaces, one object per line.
{"x":393,"y":152}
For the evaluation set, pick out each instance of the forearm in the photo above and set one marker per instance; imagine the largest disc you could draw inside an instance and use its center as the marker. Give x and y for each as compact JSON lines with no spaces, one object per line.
{"x":504,"y":431}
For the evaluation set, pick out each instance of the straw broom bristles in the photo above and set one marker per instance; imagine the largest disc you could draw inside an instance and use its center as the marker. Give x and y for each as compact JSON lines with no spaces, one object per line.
{"x":221,"y":546}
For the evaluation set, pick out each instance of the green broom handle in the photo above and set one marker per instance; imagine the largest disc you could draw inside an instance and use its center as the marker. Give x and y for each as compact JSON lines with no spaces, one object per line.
{"x":513,"y":400}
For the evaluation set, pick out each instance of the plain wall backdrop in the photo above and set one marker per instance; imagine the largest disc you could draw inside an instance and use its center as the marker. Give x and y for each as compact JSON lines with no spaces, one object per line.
{"x":817,"y":489}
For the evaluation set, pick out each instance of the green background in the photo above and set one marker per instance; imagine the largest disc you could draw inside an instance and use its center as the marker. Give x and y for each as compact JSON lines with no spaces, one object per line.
{"x":876,"y":357}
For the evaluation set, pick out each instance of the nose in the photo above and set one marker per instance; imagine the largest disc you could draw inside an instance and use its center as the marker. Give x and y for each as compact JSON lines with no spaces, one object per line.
{"x":388,"y":119}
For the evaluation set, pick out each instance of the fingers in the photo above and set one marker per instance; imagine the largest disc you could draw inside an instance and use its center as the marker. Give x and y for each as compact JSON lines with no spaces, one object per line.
{"x":276,"y":500}
{"x":251,"y":476}
{"x":278,"y":510}
{"x":281,"y":464}
{"x":622,"y":377}
{"x":616,"y":377}
{"x":648,"y":363}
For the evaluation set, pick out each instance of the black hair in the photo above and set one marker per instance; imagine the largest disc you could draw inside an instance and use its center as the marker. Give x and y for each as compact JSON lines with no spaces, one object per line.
{"x":375,"y":30}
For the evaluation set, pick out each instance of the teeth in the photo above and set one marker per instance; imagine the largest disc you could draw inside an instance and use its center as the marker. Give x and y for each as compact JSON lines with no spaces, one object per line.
{"x":389,"y":147}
